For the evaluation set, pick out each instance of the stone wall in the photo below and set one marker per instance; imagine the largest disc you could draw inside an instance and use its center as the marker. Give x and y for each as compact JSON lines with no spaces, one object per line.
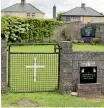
{"x":70,"y":63}
{"x":3,"y":67}
{"x":73,"y":30}
{"x":84,"y":57}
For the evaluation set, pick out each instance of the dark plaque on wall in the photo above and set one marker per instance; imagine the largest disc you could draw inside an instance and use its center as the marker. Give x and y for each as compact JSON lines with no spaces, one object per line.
{"x":88,"y":31}
{"x":88,"y":75}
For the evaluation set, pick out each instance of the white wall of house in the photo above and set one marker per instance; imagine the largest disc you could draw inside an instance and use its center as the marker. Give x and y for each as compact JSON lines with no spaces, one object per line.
{"x":24,"y":14}
{"x":71,"y":18}
{"x":81,"y":19}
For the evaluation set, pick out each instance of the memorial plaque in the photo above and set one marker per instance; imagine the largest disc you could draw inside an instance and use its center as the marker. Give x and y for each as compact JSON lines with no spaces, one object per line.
{"x":88,"y":75}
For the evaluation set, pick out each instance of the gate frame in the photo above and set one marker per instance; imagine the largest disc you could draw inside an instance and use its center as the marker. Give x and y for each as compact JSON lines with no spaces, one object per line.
{"x":56,"y":46}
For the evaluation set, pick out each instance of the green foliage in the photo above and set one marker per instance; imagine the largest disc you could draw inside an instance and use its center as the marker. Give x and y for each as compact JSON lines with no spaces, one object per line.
{"x":75,"y":41}
{"x":66,"y":35}
{"x":59,"y":16}
{"x":82,"y":41}
{"x":15,"y":29}
{"x":95,"y":40}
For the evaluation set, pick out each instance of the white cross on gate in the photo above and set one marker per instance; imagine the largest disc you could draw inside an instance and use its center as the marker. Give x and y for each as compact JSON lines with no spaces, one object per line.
{"x":35,"y":66}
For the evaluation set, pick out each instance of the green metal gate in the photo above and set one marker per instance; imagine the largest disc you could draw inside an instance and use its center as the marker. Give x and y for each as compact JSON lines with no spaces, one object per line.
{"x":31,"y":71}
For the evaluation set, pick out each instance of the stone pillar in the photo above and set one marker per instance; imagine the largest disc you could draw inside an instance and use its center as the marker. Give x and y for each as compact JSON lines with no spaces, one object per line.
{"x":3,"y":66}
{"x":65,"y":81}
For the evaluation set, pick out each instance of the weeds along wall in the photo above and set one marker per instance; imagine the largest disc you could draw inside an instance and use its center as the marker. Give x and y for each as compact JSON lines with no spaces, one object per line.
{"x":15,"y":29}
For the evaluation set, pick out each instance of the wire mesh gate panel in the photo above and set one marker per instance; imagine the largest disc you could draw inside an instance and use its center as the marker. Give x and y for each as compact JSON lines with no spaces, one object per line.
{"x":33,"y":67}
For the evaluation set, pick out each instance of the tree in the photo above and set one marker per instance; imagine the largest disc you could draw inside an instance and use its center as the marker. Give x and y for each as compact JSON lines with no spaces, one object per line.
{"x":59,"y":16}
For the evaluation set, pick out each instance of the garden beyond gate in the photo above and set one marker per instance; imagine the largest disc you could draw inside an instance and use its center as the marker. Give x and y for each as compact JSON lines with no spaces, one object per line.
{"x":33,"y":67}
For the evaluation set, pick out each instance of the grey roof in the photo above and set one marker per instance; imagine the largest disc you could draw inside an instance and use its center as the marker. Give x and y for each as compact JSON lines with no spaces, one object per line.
{"x":18,"y":7}
{"x":79,"y":11}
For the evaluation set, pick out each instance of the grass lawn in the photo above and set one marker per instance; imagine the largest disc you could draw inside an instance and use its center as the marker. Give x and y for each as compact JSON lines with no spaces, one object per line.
{"x":50,"y":48}
{"x":49,"y":100}
{"x":87,"y":47}
{"x":33,"y":48}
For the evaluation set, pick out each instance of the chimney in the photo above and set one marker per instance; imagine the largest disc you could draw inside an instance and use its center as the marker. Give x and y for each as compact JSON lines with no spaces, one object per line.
{"x":83,"y":5}
{"x":54,"y":11}
{"x":22,"y":2}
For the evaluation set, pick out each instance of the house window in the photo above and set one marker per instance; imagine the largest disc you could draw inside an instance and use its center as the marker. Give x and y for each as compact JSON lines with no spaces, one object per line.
{"x":97,"y":19}
{"x":66,"y":18}
{"x":28,"y":14}
{"x":93,"y":19}
{"x":33,"y":14}
{"x":6,"y":13}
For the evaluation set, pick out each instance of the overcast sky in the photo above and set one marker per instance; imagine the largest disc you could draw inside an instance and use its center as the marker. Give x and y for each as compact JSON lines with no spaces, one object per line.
{"x":62,"y":5}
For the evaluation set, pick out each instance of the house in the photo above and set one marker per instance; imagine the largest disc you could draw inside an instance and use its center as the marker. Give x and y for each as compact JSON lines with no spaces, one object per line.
{"x":24,"y":10}
{"x":83,"y":14}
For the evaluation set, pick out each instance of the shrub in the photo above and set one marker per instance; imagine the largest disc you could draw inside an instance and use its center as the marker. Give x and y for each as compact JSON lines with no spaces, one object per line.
{"x":96,"y":40}
{"x":102,"y":40}
{"x":75,"y":41}
{"x":66,"y":36}
{"x":59,"y":16}
{"x":69,"y":38}
{"x":87,"y":39}
{"x":15,"y":29}
{"x":82,"y":41}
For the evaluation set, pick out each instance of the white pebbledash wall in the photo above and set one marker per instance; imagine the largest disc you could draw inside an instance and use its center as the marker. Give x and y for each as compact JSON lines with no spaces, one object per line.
{"x":22,"y":14}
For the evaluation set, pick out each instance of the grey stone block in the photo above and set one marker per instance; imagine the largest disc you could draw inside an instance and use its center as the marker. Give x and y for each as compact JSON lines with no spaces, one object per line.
{"x":89,"y":90}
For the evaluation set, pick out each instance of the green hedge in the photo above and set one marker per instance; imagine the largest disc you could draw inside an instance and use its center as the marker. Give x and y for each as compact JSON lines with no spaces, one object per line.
{"x":15,"y":29}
